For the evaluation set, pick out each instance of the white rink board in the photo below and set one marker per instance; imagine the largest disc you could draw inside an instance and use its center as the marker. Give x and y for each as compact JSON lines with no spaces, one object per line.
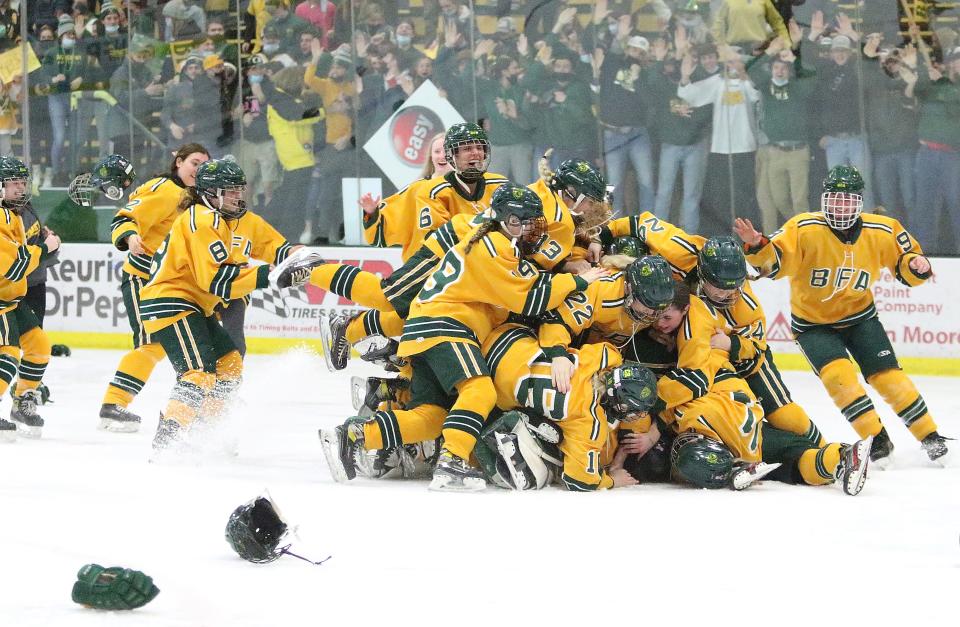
{"x":84,"y":296}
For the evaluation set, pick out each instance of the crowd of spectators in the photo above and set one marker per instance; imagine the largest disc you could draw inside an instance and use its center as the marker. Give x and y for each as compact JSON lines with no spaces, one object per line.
{"x":696,"y":110}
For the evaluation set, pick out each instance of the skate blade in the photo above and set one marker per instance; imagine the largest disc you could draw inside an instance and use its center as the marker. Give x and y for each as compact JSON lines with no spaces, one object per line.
{"x":743,"y":480}
{"x":944,"y":460}
{"x":117,"y":426}
{"x":446,"y":483}
{"x":330,"y":442}
{"x":25,"y":431}
{"x":358,"y":392}
{"x":326,"y":338}
{"x":8,"y":435}
{"x":294,"y":257}
{"x":854,"y":482}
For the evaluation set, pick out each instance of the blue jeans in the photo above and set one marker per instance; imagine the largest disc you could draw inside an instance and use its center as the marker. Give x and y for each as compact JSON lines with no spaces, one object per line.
{"x":851,"y":151}
{"x":59,"y":107}
{"x":693,"y":160}
{"x":618,"y":148}
{"x":938,"y":192}
{"x":893,"y":173}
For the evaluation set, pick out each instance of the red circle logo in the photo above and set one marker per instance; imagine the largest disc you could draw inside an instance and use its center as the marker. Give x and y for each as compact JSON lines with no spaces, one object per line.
{"x":411,"y":132}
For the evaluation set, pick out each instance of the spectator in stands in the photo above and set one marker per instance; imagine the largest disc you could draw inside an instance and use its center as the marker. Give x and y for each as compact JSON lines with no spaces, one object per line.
{"x":183,"y":19}
{"x":730,"y":185}
{"x":404,"y":37}
{"x":373,"y":24}
{"x":783,"y":164}
{"x":501,"y":100}
{"x":456,"y":14}
{"x":10,"y":97}
{"x":623,"y":117}
{"x":287,"y":24}
{"x":684,"y":134}
{"x":212,"y":97}
{"x":64,"y":71}
{"x":177,"y":117}
{"x":9,"y":26}
{"x":690,"y":17}
{"x":294,"y":123}
{"x":302,"y":54}
{"x":138,"y":92}
{"x":109,"y":48}
{"x":271,"y":44}
{"x":218,"y":44}
{"x":938,"y":159}
{"x":42,"y":13}
{"x":256,"y":152}
{"x":748,"y":24}
{"x":892,"y":115}
{"x":337,"y":160}
{"x":322,"y":14}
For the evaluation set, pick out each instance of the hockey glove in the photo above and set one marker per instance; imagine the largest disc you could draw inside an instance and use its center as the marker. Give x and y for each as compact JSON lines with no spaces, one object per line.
{"x":113,"y":588}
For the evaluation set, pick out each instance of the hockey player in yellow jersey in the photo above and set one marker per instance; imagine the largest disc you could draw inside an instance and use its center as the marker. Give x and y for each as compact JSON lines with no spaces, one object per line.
{"x":24,"y":346}
{"x":138,"y":229}
{"x":832,"y":258}
{"x":721,"y":281}
{"x":603,"y":392}
{"x":671,"y":242}
{"x":201,"y":264}
{"x":722,"y":439}
{"x":477,"y":284}
{"x":612,"y":309}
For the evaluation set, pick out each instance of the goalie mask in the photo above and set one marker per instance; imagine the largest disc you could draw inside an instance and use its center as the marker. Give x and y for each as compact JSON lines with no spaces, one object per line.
{"x":255,"y":530}
{"x":15,"y":183}
{"x":842,"y":198}
{"x":585,"y":193}
{"x":630,"y":391}
{"x":648,"y":289}
{"x":722,"y":269}
{"x":112,"y":175}
{"x":519,"y":214}
{"x":467,"y":150}
{"x":221,"y":186}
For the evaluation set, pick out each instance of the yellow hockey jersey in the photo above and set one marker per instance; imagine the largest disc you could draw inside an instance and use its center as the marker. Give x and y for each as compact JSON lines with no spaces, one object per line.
{"x":747,"y":327}
{"x":472,"y":292}
{"x":831,"y":277}
{"x":672,"y":243}
{"x":204,"y":262}
{"x":560,"y":241}
{"x":521,"y":375}
{"x":149,"y":213}
{"x":406,"y":218}
{"x":703,"y":393}
{"x":17,"y":259}
{"x":599,"y":307}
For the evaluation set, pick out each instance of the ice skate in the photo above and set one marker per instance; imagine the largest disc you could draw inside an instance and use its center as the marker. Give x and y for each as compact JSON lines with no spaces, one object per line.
{"x":454,"y":474}
{"x":383,"y":354}
{"x":24,"y":414}
{"x":851,"y":472}
{"x":169,"y":434}
{"x":340,"y":446}
{"x":333,"y":334}
{"x":881,"y":453}
{"x":936,"y":447}
{"x":368,"y":393}
{"x":745,"y":475}
{"x":8,"y":431}
{"x":295,"y":270}
{"x":118,"y":419}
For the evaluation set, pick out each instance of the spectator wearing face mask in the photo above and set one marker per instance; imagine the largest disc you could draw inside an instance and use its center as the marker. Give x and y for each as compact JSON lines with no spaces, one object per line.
{"x":65,"y":70}
{"x":109,"y":48}
{"x":220,"y":46}
{"x":286,"y":23}
{"x":177,"y":117}
{"x":256,"y":152}
{"x":405,"y":35}
{"x":9,"y":26}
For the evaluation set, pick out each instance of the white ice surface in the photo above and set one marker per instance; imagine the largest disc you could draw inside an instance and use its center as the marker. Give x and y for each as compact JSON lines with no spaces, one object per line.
{"x":773,"y":555}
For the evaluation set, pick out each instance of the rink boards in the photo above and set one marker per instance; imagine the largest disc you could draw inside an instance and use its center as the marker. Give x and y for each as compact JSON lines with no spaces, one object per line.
{"x":85,"y":308}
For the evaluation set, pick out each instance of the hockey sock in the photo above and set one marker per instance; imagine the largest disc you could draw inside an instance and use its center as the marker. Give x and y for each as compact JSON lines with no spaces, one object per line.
{"x":36,"y":355}
{"x":818,"y":466}
{"x":132,"y":374}
{"x":351,"y":282}
{"x":388,"y":429}
{"x":229,"y":371}
{"x":187,"y":396}
{"x":840,"y":379}
{"x":375,"y":322}
{"x":9,"y":364}
{"x":901,"y":394}
{"x":476,"y":399}
{"x":793,"y":418}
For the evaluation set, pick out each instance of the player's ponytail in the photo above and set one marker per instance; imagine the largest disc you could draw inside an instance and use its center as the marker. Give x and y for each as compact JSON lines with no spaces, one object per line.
{"x":482,"y":231}
{"x":188,"y":198}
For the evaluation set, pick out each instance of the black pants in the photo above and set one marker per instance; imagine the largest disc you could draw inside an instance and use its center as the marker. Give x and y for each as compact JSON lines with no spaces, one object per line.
{"x":36,"y":298}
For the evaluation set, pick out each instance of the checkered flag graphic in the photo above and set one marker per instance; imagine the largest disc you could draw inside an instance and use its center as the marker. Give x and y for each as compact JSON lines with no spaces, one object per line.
{"x":273,"y":300}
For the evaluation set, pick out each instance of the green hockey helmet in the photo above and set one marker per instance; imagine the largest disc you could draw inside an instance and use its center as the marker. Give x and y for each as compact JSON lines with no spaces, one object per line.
{"x":842,"y":199}
{"x":459,"y":136}
{"x":221,"y":186}
{"x":630,"y":390}
{"x":586,"y":194}
{"x":111,"y":175}
{"x":15,"y":183}
{"x":628,"y":245}
{"x":254,"y":530}
{"x":519,"y":213}
{"x":650,"y":283}
{"x":702,"y":461}
{"x":722,"y":268}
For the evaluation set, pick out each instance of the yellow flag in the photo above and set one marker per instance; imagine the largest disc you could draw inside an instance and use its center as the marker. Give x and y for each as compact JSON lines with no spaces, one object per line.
{"x":11,"y":63}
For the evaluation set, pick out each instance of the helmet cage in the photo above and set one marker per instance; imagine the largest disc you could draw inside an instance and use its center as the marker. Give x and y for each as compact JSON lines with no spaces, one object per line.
{"x":230,"y":208}
{"x":527,"y":234}
{"x":21,"y":202}
{"x":643,"y":318}
{"x":841,"y":209}
{"x":450,"y":151}
{"x":81,"y":190}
